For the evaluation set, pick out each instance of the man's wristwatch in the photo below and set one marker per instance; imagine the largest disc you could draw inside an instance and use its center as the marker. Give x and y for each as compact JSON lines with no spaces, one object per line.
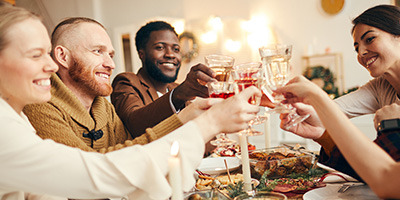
{"x":389,"y":125}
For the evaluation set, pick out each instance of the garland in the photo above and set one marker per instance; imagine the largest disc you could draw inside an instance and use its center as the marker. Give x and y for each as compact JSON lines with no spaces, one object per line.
{"x":194,"y":51}
{"x":320,"y":72}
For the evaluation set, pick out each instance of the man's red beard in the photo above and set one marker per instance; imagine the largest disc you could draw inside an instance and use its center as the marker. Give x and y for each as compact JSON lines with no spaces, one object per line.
{"x":85,"y":79}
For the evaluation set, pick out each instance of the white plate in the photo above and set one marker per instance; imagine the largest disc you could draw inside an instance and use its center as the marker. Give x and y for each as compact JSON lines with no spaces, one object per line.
{"x":335,"y":179}
{"x":214,"y":166}
{"x":330,"y":193}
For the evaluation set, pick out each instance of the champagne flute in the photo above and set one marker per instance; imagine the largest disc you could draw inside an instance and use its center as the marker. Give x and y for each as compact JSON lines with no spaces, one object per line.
{"x":222,"y":89}
{"x":276,"y":70}
{"x":246,"y":75}
{"x":221,"y":65}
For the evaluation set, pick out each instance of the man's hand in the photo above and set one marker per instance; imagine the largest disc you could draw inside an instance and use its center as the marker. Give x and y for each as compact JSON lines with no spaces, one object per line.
{"x":196,"y":108}
{"x":191,"y":87}
{"x":230,"y":115}
{"x":391,"y":111}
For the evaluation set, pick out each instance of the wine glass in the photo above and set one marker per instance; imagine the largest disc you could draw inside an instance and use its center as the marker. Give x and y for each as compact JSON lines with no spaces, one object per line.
{"x":221,"y":65}
{"x":246,"y":75}
{"x":276,"y":70}
{"x":222,"y":89}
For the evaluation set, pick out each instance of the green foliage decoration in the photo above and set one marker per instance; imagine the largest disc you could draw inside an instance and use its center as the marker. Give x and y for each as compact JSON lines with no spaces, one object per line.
{"x":320,"y":72}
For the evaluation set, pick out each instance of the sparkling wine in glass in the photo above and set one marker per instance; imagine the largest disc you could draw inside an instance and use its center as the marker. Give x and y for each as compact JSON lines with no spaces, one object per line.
{"x":246,"y":75}
{"x":222,"y":89}
{"x":221,"y":65}
{"x":276,"y":70}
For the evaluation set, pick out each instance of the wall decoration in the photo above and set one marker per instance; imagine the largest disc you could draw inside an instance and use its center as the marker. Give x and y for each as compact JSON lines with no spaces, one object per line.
{"x":189,"y":46}
{"x":324,"y":78}
{"x":327,"y":70}
{"x":332,"y":7}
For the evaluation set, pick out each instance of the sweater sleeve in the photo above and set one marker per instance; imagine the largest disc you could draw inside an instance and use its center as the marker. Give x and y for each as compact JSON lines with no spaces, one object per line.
{"x":51,"y":123}
{"x":326,"y":143}
{"x":151,"y":134}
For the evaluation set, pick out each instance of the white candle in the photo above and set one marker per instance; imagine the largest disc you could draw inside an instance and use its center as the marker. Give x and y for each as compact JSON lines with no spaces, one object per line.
{"x":175,"y":179}
{"x":245,"y":162}
{"x":267,"y":133}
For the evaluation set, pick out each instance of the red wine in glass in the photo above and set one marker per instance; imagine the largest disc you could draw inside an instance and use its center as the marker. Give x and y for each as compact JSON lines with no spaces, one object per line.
{"x":223,"y":95}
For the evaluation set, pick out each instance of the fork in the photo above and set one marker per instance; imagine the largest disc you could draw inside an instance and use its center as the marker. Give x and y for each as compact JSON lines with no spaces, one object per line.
{"x":346,"y":186}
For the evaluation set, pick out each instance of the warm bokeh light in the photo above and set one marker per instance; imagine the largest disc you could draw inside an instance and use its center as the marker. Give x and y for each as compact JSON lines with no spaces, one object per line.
{"x":209,"y":37}
{"x":216,"y":23}
{"x":233,"y":46}
{"x":179,"y":26}
{"x":258,"y":31}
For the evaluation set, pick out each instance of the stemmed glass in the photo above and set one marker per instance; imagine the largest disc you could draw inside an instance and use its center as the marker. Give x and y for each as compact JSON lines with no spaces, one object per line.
{"x":246,"y":75}
{"x":221,"y":65}
{"x":222,"y":89}
{"x":276,"y":71}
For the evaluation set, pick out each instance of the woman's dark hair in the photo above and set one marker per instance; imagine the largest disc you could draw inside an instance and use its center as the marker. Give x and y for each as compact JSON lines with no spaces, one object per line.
{"x":384,"y":17}
{"x":143,"y":35}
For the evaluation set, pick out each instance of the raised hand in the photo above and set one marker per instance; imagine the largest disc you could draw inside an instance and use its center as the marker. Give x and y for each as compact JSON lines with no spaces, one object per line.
{"x":192,"y":87}
{"x":297,"y":92}
{"x":311,"y":128}
{"x":229,"y":116}
{"x":196,"y":108}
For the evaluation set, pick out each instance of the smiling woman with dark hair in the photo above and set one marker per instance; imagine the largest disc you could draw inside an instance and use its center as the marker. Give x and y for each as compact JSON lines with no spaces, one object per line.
{"x":376,"y":35}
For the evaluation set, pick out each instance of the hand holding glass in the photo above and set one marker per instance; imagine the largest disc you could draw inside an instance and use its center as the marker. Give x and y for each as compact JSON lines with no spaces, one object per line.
{"x":276,"y":72}
{"x":246,"y":75}
{"x":222,"y":89}
{"x":221,"y":65}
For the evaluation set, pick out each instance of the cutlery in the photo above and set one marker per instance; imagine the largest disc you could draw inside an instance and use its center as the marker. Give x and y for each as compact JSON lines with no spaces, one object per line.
{"x":227,"y":171}
{"x":346,"y":186}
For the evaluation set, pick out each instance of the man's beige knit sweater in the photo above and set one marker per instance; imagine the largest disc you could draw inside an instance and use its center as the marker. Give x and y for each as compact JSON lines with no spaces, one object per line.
{"x":65,"y":120}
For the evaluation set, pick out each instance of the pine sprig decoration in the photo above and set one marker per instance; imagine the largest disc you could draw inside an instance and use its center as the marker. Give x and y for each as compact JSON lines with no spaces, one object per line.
{"x":235,"y":189}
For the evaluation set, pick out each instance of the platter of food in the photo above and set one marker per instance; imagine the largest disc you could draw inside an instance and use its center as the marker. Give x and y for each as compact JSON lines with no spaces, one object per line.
{"x":279,"y":162}
{"x":208,"y":182}
{"x":216,"y":165}
{"x":292,"y":186}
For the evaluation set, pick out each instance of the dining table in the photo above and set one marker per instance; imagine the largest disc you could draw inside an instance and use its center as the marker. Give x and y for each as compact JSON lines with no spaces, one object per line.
{"x":332,"y":182}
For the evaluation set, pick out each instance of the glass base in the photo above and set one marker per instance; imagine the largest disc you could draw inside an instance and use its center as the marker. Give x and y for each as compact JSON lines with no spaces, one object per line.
{"x":222,"y":140}
{"x":279,"y":109}
{"x":259,"y":119}
{"x":251,"y":132}
{"x":294,"y":120}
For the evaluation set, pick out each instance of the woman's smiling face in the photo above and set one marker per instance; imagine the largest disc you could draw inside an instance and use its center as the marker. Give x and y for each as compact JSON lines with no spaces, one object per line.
{"x":377,"y":49}
{"x":25,"y":64}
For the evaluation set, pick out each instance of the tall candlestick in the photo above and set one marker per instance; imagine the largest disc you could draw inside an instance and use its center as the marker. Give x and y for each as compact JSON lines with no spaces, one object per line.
{"x":267,"y":133}
{"x":245,"y":162}
{"x":175,"y":179}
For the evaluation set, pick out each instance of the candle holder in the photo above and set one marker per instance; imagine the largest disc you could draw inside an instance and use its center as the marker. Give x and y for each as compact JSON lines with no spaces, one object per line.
{"x":261,"y":195}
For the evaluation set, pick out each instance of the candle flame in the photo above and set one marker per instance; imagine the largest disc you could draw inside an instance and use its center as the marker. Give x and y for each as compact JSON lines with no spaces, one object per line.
{"x":175,"y":148}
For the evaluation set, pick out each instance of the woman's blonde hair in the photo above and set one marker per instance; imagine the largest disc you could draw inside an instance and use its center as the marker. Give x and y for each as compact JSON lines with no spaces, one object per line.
{"x":10,"y":15}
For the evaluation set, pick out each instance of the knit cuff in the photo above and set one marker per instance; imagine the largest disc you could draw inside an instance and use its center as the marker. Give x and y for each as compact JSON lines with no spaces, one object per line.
{"x":326,"y":142}
{"x":166,"y":126}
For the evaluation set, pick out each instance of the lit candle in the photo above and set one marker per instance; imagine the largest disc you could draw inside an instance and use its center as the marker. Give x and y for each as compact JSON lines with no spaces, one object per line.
{"x":175,"y":179}
{"x":245,"y":162}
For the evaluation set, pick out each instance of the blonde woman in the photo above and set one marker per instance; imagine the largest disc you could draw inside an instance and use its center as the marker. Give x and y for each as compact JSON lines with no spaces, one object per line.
{"x":30,"y":164}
